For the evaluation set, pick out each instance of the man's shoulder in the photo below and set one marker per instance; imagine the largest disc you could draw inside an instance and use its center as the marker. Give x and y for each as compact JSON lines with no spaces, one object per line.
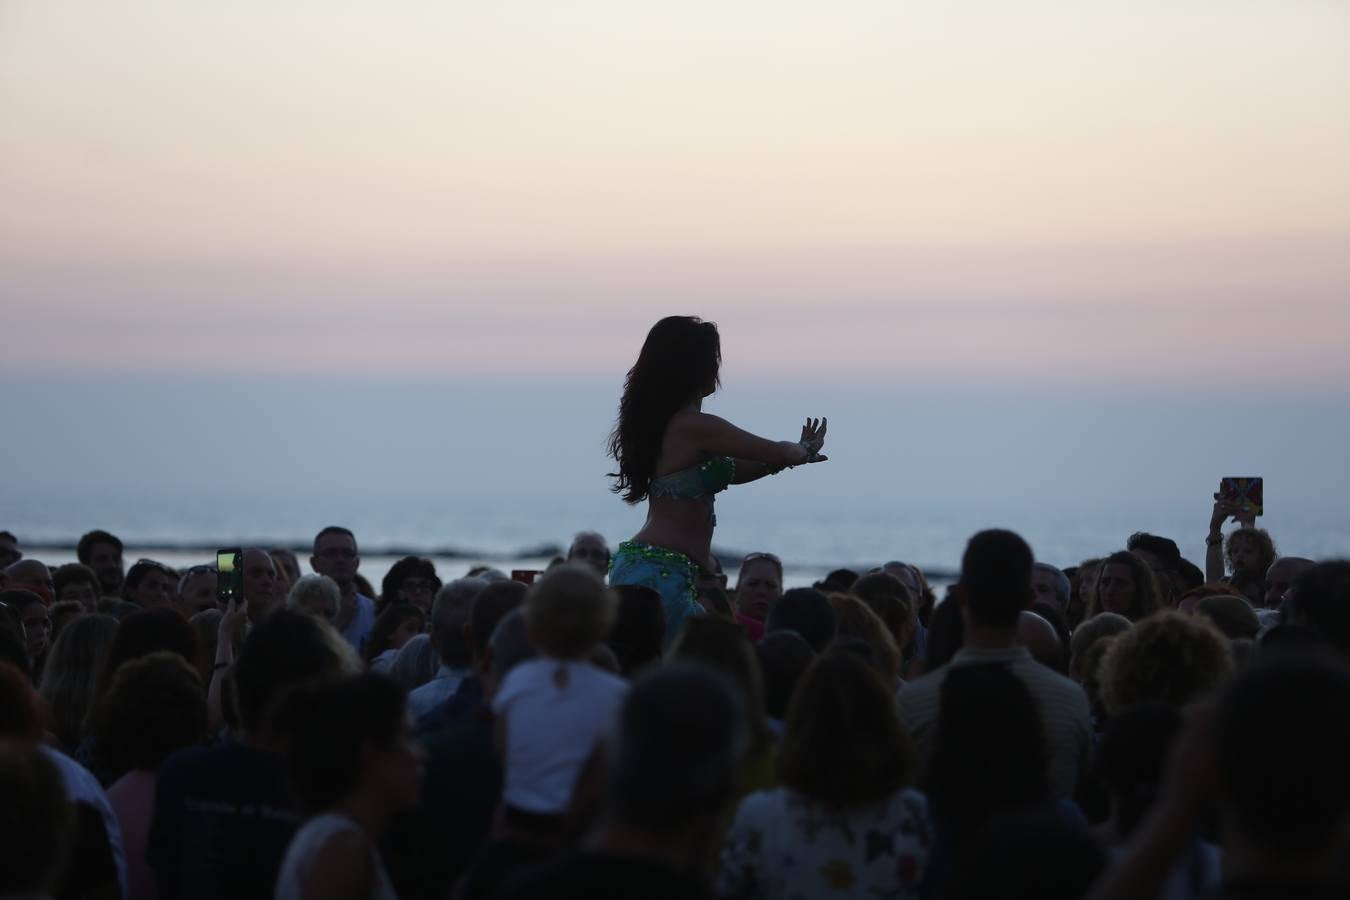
{"x":922,"y":690}
{"x":1051,"y":682}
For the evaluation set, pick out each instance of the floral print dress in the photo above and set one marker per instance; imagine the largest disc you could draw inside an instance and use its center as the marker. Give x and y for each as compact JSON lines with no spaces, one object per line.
{"x":782,"y":847}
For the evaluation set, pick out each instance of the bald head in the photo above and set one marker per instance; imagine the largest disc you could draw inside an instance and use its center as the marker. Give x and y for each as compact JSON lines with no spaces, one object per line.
{"x":31,"y":575}
{"x":1281,"y":575}
{"x":1040,"y":638}
{"x":262,"y":589}
{"x":590,"y":547}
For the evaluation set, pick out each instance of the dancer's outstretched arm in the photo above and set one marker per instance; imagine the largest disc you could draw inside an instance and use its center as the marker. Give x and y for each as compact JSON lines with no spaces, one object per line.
{"x":716,"y":436}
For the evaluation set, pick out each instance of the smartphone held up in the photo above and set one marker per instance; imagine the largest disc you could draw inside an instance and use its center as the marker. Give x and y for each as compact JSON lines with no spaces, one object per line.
{"x":229,"y":576}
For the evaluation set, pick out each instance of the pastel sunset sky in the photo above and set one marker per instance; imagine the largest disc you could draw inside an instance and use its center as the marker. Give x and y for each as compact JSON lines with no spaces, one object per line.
{"x":1124,"y":190}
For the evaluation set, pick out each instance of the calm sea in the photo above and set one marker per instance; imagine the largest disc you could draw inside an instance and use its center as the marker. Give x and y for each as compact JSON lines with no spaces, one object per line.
{"x":496,"y":471}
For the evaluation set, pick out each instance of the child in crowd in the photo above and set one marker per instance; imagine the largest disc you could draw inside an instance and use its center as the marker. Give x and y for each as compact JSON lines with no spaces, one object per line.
{"x":552,"y":711}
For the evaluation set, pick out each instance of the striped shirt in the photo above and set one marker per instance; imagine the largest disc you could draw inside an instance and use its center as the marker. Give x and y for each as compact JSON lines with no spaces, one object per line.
{"x":1062,"y":703}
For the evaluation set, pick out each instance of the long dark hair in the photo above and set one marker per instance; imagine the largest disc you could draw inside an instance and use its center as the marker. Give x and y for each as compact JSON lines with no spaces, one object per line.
{"x":679,"y":362}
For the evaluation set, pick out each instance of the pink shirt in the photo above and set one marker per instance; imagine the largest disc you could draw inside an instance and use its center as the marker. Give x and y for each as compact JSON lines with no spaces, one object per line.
{"x":133,"y":800}
{"x":754,"y":628}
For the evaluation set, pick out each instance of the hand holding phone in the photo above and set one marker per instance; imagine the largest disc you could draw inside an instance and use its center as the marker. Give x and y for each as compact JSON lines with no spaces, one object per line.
{"x":229,"y":576}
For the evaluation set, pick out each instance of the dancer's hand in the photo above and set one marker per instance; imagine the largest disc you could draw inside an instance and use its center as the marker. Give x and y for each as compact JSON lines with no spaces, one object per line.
{"x":813,"y":439}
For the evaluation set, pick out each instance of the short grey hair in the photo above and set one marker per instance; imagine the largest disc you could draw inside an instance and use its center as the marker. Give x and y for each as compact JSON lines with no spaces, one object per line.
{"x":1062,"y":587}
{"x":415,"y":663}
{"x":449,"y":614}
{"x":321,"y":587}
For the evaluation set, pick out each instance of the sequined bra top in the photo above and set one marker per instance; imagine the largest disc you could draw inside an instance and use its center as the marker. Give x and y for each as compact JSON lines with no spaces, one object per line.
{"x":696,"y":482}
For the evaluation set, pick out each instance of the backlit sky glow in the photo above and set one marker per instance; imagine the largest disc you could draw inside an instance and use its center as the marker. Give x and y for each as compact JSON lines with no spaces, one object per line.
{"x":1123,"y":190}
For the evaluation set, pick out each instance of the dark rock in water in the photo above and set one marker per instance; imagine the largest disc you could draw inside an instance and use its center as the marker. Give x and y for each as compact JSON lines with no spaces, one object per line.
{"x":541,"y":551}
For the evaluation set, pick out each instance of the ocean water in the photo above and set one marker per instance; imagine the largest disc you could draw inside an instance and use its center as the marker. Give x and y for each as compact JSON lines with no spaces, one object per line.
{"x":470,"y":470}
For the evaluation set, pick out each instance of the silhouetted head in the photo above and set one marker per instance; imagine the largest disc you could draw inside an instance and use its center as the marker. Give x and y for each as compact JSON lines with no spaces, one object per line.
{"x":639,"y":628}
{"x":1282,"y":736}
{"x":673,"y":759}
{"x":1132,"y":758}
{"x":1280,"y":578}
{"x":843,"y":745}
{"x":996,"y":579}
{"x":893,"y":603}
{"x":412,"y":580}
{"x":102,"y":552}
{"x":78,"y":582}
{"x":150,"y":584}
{"x":678,"y":365}
{"x":806,"y":611}
{"x":350,"y":734}
{"x":1320,"y":599}
{"x":784,"y":657}
{"x":972,"y":779}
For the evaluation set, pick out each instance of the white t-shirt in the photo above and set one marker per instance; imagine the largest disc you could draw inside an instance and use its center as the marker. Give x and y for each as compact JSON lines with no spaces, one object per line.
{"x":555,"y":712}
{"x":305,"y":846}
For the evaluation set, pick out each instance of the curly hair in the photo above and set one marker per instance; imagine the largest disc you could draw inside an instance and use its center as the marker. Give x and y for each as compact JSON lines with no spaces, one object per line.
{"x":679,"y":363}
{"x":155,"y":705}
{"x":1170,"y":657}
{"x":1265,"y":546}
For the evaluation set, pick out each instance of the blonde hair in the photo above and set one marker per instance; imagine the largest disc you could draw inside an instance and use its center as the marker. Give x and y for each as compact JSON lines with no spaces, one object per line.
{"x":1086,"y":636}
{"x":854,"y":618}
{"x":315,"y":586}
{"x":569,"y":611}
